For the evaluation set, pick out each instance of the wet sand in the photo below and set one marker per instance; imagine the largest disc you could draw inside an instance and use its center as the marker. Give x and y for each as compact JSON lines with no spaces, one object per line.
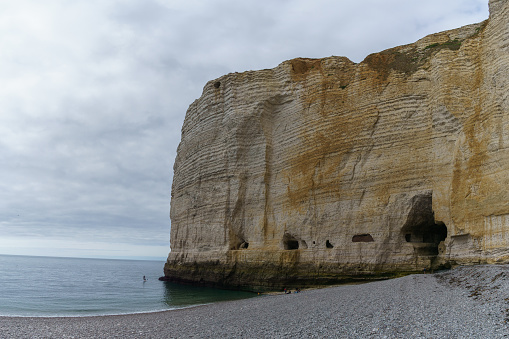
{"x":467,"y":302}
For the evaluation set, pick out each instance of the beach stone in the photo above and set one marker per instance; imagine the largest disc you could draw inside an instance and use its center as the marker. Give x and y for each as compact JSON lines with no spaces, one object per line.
{"x":324,"y":170}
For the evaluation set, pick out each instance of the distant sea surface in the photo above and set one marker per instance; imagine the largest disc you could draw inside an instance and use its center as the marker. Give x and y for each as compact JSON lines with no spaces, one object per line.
{"x":47,"y":286}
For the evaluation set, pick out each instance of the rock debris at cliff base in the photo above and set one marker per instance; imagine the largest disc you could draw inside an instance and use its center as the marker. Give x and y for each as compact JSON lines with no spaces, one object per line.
{"x":468,"y":302}
{"x":323,"y":170}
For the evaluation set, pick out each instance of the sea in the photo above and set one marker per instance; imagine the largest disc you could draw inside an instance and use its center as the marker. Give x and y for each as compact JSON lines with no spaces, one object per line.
{"x":52,"y":287}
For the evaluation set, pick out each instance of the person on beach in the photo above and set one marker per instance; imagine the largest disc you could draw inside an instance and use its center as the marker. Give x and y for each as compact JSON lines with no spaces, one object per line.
{"x":144,"y":279}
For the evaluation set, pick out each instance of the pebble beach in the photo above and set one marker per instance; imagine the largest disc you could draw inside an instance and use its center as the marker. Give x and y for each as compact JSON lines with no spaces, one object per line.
{"x":466,"y":302}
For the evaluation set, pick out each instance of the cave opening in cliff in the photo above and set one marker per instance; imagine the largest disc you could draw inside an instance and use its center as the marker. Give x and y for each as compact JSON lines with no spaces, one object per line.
{"x":328,"y":244}
{"x":421,"y":229}
{"x":239,"y":244}
{"x":290,"y":242}
{"x":363,"y":238}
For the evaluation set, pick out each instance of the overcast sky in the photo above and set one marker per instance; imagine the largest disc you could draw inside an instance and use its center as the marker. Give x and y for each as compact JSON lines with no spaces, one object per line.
{"x":93,"y":94}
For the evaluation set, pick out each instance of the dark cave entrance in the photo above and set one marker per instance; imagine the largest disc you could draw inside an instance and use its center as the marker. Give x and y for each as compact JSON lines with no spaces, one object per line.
{"x":421,"y":229}
{"x":290,"y":243}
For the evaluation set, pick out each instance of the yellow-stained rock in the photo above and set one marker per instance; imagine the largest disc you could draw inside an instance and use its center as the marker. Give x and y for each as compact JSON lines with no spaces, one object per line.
{"x":322,"y":170}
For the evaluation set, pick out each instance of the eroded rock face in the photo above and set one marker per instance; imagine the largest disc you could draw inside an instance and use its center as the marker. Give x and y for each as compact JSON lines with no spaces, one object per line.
{"x":322,"y":169}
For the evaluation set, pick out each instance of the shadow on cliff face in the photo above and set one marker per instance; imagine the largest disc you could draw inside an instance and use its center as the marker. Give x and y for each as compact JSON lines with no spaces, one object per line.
{"x":421,"y":229}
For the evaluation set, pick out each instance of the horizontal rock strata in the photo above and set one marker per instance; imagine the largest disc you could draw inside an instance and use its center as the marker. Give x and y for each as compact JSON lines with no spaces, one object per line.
{"x":322,"y":170}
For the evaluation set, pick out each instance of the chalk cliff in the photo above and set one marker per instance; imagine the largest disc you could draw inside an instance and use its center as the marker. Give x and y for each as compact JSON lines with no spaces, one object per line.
{"x":321,"y":170}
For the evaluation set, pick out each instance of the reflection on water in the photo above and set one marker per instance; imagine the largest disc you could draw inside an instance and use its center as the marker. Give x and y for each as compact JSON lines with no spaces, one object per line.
{"x":176,"y":295}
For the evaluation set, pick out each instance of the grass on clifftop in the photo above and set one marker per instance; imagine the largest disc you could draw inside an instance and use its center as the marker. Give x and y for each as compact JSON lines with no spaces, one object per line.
{"x":453,"y":45}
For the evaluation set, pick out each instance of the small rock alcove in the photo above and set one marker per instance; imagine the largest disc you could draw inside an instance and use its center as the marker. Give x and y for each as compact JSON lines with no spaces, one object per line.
{"x":362,"y":238}
{"x":290,"y":242}
{"x":239,"y":244}
{"x":421,"y":229}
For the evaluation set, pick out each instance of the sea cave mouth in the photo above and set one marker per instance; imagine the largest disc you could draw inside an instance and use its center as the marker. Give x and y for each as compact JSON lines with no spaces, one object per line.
{"x":421,"y":229}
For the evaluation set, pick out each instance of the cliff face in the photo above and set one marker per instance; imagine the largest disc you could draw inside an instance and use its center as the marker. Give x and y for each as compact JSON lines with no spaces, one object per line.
{"x":322,"y":169}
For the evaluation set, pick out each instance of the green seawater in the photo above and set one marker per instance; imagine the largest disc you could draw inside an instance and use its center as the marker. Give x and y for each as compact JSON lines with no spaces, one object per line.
{"x":47,"y":286}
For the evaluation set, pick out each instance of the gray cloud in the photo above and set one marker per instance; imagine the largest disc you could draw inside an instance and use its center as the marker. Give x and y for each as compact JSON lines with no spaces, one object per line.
{"x":94,"y":94}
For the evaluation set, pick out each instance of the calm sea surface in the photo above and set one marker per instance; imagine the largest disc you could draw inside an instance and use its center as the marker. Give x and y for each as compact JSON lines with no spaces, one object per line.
{"x":44,"y":286}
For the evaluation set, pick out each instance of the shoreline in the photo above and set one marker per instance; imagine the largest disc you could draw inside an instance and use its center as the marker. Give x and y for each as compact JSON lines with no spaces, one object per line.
{"x":99,"y":315}
{"x":464,"y":302}
{"x":260,"y":294}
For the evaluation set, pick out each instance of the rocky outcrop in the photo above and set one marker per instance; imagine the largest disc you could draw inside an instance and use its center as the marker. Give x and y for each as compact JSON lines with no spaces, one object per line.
{"x":321,"y":170}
